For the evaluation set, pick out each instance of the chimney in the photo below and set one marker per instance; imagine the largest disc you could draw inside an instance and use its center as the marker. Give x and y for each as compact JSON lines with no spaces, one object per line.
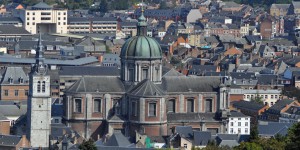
{"x":24,"y":141}
{"x":237,"y":62}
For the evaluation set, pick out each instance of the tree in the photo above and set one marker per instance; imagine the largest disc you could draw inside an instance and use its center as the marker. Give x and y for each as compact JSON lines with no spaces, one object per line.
{"x":257,"y":99}
{"x":248,"y":146}
{"x":88,"y":145}
{"x":103,"y":6}
{"x":254,"y":133}
{"x":163,"y":5}
{"x":293,"y":137}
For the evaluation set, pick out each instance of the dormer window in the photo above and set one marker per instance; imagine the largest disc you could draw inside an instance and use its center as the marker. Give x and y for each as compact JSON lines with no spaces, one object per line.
{"x":10,"y":80}
{"x":21,"y":80}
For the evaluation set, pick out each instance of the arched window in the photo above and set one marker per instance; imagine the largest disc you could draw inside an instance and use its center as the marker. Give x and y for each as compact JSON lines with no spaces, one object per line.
{"x":39,"y":86}
{"x":43,"y":87}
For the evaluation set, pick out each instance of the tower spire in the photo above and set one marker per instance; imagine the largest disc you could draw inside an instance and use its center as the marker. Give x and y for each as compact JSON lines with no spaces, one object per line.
{"x":142,"y":24}
{"x":40,"y":67}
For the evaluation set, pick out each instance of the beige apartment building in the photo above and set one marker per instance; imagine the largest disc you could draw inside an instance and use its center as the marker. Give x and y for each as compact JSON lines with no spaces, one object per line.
{"x":92,"y":25}
{"x":44,"y":18}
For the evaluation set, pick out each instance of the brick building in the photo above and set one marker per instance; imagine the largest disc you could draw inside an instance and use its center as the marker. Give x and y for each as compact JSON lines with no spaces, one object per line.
{"x":14,"y":85}
{"x":146,"y":97}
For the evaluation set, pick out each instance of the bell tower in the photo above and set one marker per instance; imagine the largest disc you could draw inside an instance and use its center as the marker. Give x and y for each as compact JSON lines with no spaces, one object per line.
{"x":39,"y":102}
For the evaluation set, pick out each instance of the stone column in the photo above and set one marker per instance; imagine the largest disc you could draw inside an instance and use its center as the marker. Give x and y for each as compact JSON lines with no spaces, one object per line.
{"x":140,"y":73}
{"x":89,"y":103}
{"x":107,"y":104}
{"x":135,"y":72}
{"x":141,"y":109}
{"x":181,"y":103}
{"x":200,"y":103}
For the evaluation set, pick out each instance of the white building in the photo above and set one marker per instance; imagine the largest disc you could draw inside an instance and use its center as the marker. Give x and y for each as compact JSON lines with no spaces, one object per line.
{"x":238,"y":123}
{"x":269,"y":97}
{"x":42,"y":17}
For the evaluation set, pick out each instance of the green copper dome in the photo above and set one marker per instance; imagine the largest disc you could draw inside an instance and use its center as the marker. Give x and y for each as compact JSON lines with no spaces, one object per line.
{"x":141,"y":47}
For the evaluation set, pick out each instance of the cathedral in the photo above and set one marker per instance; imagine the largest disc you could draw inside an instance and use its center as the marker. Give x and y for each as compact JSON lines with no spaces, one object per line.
{"x":146,"y":97}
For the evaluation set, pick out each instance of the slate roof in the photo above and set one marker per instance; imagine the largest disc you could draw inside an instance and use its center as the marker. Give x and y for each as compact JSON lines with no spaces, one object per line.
{"x":57,"y":110}
{"x":75,"y":62}
{"x":12,"y":30}
{"x":13,"y":110}
{"x":5,"y":20}
{"x":279,"y":105}
{"x":9,"y":140}
{"x":172,"y":72}
{"x":273,"y":128}
{"x":15,"y":73}
{"x":88,"y":70}
{"x":201,"y":138}
{"x":190,"y":84}
{"x":146,"y":88}
{"x":101,"y":84}
{"x":2,"y":117}
{"x":184,"y":131}
{"x":266,"y":79}
{"x":242,"y":75}
{"x":201,"y":69}
{"x":248,"y":105}
{"x":235,"y":114}
{"x":118,"y":139}
{"x":230,"y":140}
{"x":41,"y":5}
{"x":190,"y":117}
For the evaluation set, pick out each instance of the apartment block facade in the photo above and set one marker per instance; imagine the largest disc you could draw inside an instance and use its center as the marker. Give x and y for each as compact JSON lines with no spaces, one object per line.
{"x":42,"y":17}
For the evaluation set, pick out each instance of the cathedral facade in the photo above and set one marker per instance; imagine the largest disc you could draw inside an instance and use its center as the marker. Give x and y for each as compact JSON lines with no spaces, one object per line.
{"x":146,"y":98}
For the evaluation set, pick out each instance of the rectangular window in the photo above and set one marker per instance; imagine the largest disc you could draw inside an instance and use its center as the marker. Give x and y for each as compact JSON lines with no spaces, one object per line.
{"x":239,"y":118}
{"x":239,"y":123}
{"x":6,"y":92}
{"x":185,"y":146}
{"x":16,"y":92}
{"x":266,"y":96}
{"x":133,"y":108}
{"x":231,"y":123}
{"x":208,"y":105}
{"x":33,"y":18}
{"x":131,"y":76}
{"x":246,"y":130}
{"x":152,"y":109}
{"x":77,"y":105}
{"x":44,"y":87}
{"x":56,"y":121}
{"x":145,"y":74}
{"x":272,"y":96}
{"x":26,"y":92}
{"x":190,"y":105}
{"x":231,"y":130}
{"x":171,"y":106}
{"x":239,"y":130}
{"x":97,"y":105}
{"x":246,"y":124}
{"x":117,"y":106}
